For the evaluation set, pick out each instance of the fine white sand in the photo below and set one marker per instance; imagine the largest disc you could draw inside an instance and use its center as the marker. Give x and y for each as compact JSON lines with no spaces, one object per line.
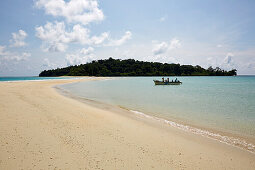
{"x":41,"y":129}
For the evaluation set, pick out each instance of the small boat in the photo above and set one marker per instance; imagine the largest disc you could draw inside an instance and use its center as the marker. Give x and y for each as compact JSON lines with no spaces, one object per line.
{"x":167,"y":82}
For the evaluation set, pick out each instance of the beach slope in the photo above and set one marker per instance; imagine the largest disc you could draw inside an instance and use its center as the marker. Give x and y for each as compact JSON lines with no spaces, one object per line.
{"x":42,"y":129}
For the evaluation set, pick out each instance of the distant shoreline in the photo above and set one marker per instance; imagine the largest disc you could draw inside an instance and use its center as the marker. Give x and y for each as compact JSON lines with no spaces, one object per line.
{"x":131,"y":67}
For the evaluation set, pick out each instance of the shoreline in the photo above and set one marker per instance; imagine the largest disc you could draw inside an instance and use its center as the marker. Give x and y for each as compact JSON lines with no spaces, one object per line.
{"x":43,"y":129}
{"x":246,"y":143}
{"x":48,"y":79}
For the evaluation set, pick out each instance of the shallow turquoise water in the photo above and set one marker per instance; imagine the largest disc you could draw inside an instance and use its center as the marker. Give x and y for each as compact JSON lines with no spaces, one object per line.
{"x":221,"y":103}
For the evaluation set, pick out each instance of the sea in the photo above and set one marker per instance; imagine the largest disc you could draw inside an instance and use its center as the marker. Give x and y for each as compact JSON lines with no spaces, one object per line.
{"x":221,"y":108}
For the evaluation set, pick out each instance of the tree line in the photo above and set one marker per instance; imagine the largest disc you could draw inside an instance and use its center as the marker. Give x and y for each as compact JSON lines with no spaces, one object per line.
{"x":131,"y":67}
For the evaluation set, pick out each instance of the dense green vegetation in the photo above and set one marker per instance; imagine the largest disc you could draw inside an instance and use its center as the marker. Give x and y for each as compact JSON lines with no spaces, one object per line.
{"x":130,"y":67}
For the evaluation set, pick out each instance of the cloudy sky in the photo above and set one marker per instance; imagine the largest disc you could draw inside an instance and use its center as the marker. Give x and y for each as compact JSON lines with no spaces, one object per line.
{"x":42,"y":34}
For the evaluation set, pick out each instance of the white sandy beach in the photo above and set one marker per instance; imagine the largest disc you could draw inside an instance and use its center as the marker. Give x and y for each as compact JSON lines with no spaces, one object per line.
{"x":42,"y":129}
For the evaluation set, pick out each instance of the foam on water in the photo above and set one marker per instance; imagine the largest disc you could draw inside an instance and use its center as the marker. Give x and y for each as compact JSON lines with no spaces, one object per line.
{"x":240,"y":143}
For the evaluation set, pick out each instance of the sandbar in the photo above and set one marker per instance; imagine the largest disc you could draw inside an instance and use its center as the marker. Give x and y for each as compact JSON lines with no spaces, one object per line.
{"x":43,"y":129}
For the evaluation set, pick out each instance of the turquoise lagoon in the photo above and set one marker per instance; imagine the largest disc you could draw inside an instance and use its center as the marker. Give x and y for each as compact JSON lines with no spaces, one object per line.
{"x":221,"y":104}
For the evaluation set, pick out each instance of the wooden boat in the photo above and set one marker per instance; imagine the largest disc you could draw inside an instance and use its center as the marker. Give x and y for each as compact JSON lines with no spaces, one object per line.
{"x":167,"y":82}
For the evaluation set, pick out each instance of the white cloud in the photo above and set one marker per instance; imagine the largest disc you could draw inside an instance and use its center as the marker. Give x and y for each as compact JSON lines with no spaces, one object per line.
{"x":10,"y":61}
{"x":75,"y":11}
{"x":7,"y":56}
{"x":50,"y":31}
{"x":79,"y":34}
{"x":56,"y":39}
{"x":55,"y":47}
{"x":219,"y":45}
{"x":87,"y":51}
{"x":18,"y":39}
{"x":18,"y":57}
{"x":175,"y":43}
{"x":228,"y":62}
{"x":122,"y":40}
{"x":2,"y":50}
{"x":228,"y":59}
{"x":160,"y":48}
{"x":81,"y":57}
{"x":100,"y":39}
{"x":161,"y":59}
{"x":75,"y":59}
{"x":212,"y":62}
{"x":54,"y":36}
{"x":48,"y":64}
{"x":224,"y":62}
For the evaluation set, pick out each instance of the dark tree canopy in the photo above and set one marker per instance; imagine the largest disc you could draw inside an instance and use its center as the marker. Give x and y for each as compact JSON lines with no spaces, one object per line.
{"x":131,"y":67}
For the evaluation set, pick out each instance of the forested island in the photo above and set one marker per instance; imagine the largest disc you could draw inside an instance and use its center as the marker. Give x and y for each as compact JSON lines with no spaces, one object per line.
{"x":131,"y":67}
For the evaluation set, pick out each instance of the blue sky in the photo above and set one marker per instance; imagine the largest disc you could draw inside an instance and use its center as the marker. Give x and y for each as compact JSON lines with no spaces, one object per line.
{"x":42,"y":34}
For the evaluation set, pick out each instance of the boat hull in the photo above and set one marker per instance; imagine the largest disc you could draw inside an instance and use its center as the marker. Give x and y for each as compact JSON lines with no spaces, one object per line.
{"x":166,"y":83}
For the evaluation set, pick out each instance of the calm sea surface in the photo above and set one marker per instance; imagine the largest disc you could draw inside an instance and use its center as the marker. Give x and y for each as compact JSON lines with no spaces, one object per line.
{"x":224,"y":104}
